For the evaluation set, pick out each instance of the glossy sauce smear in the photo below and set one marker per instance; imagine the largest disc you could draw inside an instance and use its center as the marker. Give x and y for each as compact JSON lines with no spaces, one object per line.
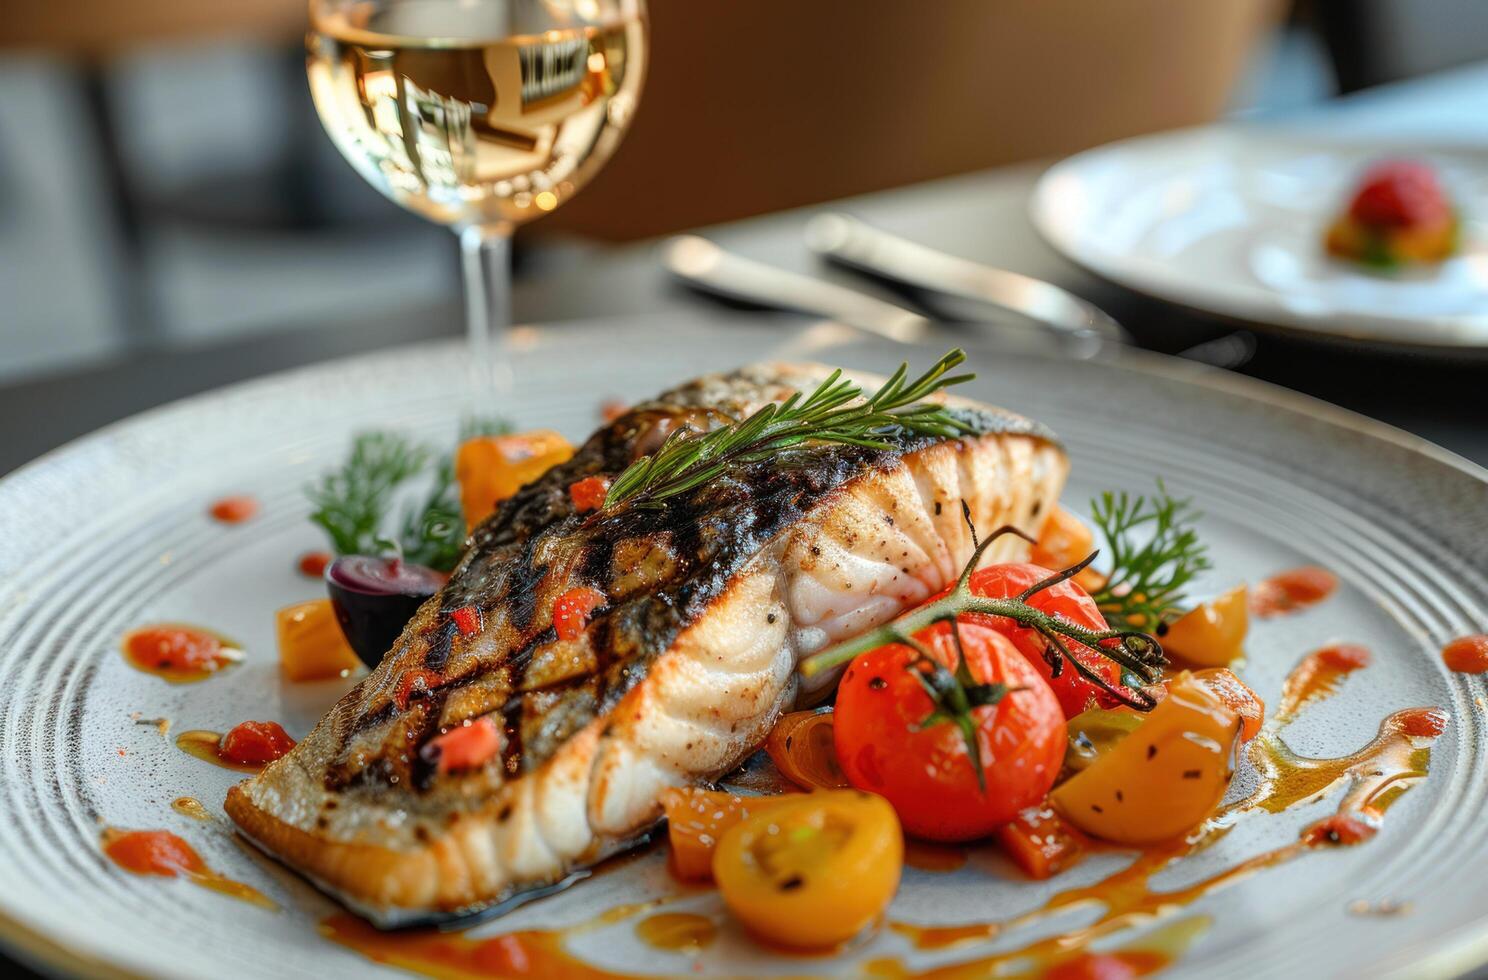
{"x":1372,"y":779}
{"x":178,"y":652}
{"x":160,"y":853}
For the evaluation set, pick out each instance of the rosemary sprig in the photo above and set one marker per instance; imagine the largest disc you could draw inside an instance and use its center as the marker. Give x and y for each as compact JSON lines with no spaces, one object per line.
{"x":1138,"y":654}
{"x":835,"y":412}
{"x":1155,"y":552}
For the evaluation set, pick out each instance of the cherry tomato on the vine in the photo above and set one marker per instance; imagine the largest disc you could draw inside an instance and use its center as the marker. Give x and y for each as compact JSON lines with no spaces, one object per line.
{"x":894,"y":739}
{"x":1068,"y":602}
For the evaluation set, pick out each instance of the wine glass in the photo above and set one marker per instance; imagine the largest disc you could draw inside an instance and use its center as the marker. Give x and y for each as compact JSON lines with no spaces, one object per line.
{"x":477,"y":114}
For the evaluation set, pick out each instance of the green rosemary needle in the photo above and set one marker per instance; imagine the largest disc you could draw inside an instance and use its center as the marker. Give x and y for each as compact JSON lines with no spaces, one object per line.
{"x":836,"y":412}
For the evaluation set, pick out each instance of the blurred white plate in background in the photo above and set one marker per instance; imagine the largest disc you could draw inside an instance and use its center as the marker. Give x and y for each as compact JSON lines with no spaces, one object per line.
{"x":1230,"y":220}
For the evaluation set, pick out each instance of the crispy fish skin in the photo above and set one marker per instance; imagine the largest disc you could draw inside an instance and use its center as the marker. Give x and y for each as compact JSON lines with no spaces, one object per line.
{"x":711,"y":602}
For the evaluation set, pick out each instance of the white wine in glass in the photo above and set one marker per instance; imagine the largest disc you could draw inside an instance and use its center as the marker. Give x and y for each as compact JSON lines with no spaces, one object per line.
{"x":477,"y":114}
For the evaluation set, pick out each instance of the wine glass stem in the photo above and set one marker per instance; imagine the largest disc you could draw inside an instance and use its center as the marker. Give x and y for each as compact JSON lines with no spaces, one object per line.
{"x":485,"y":254}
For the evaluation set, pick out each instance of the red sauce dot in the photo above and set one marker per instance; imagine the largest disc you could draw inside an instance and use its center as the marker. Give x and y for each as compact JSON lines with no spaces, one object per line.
{"x":1292,"y":590}
{"x":1100,"y":966}
{"x":312,"y":564}
{"x":234,"y":510}
{"x":1339,"y":829}
{"x":1344,"y":656}
{"x":177,"y":652}
{"x":152,"y":852}
{"x":255,"y":743}
{"x":1422,"y":722}
{"x":1467,"y":654}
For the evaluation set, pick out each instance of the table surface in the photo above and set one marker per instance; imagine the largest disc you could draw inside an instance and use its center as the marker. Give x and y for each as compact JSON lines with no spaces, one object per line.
{"x":981,"y":216}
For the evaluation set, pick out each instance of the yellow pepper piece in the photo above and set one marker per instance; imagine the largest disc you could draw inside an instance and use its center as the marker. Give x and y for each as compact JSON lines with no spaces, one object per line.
{"x":1163,"y":779}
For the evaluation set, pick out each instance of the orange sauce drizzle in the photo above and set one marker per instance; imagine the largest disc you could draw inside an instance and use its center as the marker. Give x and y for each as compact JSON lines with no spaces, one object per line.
{"x":179,"y":653}
{"x":455,"y":956}
{"x":161,"y":853}
{"x":207,"y":746}
{"x":1467,"y":654}
{"x":1318,"y":677}
{"x":680,"y":931}
{"x":1158,"y":949}
{"x":190,"y":806}
{"x":1373,"y":778}
{"x":1292,"y":591}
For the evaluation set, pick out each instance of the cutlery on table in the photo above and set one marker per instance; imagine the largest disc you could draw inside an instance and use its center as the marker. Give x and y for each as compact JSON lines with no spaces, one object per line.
{"x":854,"y":244}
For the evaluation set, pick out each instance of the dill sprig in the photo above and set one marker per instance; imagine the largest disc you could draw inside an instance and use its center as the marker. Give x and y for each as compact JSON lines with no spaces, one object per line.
{"x":835,"y":412}
{"x":434,"y":533}
{"x":351,"y":502}
{"x":354,"y":504}
{"x":1155,"y":552}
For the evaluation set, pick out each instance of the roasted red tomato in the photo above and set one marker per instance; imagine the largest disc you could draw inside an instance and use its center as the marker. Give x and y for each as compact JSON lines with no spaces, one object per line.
{"x":1067,"y":601}
{"x":956,"y":765}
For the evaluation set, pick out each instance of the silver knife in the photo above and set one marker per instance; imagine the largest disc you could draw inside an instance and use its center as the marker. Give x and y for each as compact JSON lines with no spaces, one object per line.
{"x":703,"y":265}
{"x":850,"y":242}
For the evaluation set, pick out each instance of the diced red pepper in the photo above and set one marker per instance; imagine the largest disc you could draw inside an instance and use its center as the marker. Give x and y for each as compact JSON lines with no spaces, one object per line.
{"x":572,"y":610}
{"x":589,"y":493}
{"x":1041,"y":842}
{"x":467,"y":620}
{"x":468,"y":746}
{"x":415,"y":680}
{"x":255,"y":743}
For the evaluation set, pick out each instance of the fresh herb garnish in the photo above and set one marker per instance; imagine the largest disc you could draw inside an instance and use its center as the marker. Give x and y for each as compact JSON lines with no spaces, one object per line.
{"x":835,"y":412}
{"x":1155,"y":552}
{"x":354,"y":503}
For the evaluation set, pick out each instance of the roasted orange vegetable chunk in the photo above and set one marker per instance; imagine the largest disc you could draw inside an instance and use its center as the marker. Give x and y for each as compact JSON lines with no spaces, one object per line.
{"x":491,"y":469}
{"x":697,"y":818}
{"x":1162,"y":780}
{"x":1041,"y":842}
{"x":311,"y":644}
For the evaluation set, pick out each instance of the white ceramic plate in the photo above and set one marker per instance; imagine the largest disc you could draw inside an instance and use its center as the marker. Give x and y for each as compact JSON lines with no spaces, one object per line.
{"x":111,"y":532}
{"x":1230,"y":220}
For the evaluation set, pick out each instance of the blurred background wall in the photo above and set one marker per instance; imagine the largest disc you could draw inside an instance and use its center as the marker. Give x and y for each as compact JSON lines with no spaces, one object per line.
{"x":164,"y":180}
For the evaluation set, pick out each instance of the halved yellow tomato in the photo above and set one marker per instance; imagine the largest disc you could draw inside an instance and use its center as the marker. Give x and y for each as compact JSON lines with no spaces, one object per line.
{"x":1164,"y":778}
{"x":698,"y":818}
{"x":813,"y":870}
{"x":1211,"y":634}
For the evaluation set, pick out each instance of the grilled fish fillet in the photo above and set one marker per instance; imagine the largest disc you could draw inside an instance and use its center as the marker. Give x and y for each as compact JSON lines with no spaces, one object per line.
{"x":710,"y":603}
